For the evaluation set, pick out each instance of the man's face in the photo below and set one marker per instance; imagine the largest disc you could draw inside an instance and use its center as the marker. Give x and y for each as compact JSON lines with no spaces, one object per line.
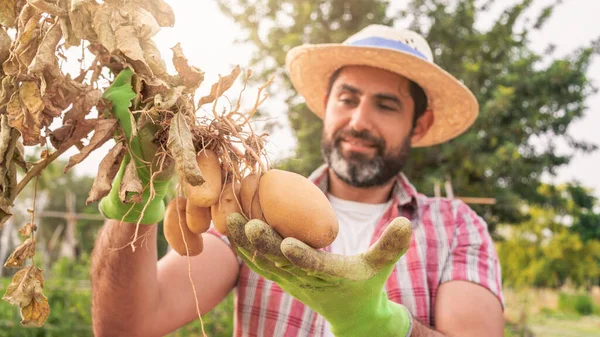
{"x":367,"y":126}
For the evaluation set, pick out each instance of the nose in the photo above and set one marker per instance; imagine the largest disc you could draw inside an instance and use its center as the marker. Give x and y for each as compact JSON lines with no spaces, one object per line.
{"x":361,"y":118}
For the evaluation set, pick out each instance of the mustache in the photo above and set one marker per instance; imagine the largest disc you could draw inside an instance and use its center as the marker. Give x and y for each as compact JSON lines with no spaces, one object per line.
{"x":362,"y":135}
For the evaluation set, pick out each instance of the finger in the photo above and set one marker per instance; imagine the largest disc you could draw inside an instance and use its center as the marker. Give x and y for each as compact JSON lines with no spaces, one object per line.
{"x":257,"y":264}
{"x":266,"y":240}
{"x":237,"y":234}
{"x":392,"y":244}
{"x":328,"y":266}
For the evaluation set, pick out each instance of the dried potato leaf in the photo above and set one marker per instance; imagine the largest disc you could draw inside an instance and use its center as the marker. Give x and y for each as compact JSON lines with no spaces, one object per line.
{"x":181,"y":145}
{"x":9,"y":85}
{"x":81,"y":14}
{"x":103,"y":27}
{"x":27,"y":229}
{"x":160,"y":10}
{"x":154,"y":59}
{"x":83,"y":104}
{"x":131,"y":188}
{"x":36,"y":313}
{"x":222,"y":85}
{"x":23,"y":287}
{"x":70,"y":132}
{"x":47,"y":7}
{"x":27,"y":42}
{"x":192,"y":76}
{"x":109,"y":166}
{"x":129,"y":44}
{"x":103,"y":131}
{"x":25,"y":251}
{"x":31,"y":97}
{"x":20,"y":118}
{"x":8,"y":13}
{"x":5,"y":42}
{"x":5,"y":211}
{"x":46,"y":53}
{"x":144,"y":23}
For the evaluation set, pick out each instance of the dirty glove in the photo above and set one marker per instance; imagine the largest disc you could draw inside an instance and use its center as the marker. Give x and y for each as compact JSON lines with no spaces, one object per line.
{"x":348,"y":291}
{"x":142,"y":150}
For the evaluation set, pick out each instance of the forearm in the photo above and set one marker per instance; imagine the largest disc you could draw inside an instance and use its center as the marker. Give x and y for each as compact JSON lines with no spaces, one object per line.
{"x":124,"y":283}
{"x":422,"y":330}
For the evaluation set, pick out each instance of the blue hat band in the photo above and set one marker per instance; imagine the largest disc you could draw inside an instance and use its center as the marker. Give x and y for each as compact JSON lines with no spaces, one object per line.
{"x":386,"y":43}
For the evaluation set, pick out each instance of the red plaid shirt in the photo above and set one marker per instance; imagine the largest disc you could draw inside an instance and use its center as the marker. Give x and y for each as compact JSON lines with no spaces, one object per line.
{"x":450,"y":242}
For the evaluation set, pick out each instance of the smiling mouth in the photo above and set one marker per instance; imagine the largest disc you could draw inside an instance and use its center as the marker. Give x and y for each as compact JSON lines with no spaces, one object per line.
{"x":357,"y":145}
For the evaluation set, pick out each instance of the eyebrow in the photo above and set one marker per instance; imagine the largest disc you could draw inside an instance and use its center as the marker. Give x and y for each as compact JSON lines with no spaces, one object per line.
{"x":379,"y":96}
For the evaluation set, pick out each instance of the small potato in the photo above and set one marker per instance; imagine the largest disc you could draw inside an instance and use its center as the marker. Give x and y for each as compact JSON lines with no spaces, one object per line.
{"x":176,"y":229}
{"x":198,"y":218}
{"x":206,"y":194}
{"x":295,"y":207}
{"x":249,"y":197}
{"x":228,"y":203}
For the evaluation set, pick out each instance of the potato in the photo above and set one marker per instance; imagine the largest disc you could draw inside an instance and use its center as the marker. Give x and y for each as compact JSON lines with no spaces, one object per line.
{"x":249,"y":197}
{"x":228,"y":203}
{"x":198,"y":218}
{"x":295,"y":207}
{"x":206,"y":194}
{"x":174,"y":215}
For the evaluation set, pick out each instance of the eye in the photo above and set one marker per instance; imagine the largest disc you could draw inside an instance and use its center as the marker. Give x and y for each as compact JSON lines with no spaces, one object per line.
{"x":387,"y":107}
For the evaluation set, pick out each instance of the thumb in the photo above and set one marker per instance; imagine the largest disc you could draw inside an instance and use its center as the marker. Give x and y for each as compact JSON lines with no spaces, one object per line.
{"x":392,"y":244}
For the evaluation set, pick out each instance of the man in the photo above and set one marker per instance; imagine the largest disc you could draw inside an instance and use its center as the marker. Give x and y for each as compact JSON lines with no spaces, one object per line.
{"x":378,"y":93}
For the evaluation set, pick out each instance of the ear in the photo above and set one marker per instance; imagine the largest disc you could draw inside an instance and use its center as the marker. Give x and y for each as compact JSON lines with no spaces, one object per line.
{"x":423,"y":125}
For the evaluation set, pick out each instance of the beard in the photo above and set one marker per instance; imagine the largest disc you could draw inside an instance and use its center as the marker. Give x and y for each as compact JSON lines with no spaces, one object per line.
{"x":361,"y":170}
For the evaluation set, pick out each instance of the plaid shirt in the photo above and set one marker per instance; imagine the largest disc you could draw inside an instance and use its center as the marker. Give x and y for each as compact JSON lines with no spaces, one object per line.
{"x":450,"y":242}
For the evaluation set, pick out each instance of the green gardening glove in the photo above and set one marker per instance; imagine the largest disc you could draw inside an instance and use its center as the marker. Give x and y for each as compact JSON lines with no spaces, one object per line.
{"x":151,"y":208}
{"x":348,"y":291}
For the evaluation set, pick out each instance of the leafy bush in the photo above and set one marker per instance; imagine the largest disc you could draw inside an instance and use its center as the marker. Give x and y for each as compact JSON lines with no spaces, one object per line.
{"x":579,"y":303}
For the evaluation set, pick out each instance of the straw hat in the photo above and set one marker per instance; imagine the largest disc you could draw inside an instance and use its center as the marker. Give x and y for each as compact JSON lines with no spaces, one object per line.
{"x":401,"y":51}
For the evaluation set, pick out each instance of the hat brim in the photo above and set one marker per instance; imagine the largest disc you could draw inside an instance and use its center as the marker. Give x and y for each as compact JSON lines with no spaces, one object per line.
{"x":454,"y":106}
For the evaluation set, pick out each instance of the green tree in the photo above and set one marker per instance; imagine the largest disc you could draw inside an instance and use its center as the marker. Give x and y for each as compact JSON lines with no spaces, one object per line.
{"x":523,"y":95}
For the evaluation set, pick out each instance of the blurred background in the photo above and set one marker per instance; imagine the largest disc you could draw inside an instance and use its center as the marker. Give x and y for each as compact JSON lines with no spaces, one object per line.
{"x":528,"y":166}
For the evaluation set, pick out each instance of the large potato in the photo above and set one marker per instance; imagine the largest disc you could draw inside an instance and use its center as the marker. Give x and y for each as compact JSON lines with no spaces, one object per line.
{"x":295,"y":207}
{"x":176,"y":229}
{"x":206,"y":194}
{"x":228,"y":203}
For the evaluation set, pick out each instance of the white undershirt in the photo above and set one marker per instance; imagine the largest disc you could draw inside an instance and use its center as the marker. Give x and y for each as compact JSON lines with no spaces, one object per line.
{"x":357,"y":223}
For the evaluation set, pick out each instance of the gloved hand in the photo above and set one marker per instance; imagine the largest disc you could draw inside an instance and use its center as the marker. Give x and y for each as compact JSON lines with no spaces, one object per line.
{"x":142,"y":150}
{"x":348,"y":291}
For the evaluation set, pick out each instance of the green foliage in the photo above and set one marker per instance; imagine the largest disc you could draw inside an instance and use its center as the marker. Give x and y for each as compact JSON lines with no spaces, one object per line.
{"x":578,"y":303}
{"x":526,"y":98}
{"x":544,"y":252}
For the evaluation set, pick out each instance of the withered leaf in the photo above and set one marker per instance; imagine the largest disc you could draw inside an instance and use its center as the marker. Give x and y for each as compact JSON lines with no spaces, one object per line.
{"x":131,"y":188}
{"x":8,"y":13}
{"x":103,"y":131}
{"x":20,"y":118}
{"x":192,"y":76}
{"x":31,"y":97}
{"x":83,"y":104}
{"x":144,"y":23}
{"x":9,"y":85}
{"x":222,"y":85}
{"x":5,"y":211}
{"x":5,"y":42}
{"x":154,"y":59}
{"x":47,"y":7}
{"x":23,"y":287}
{"x":27,"y":229}
{"x":181,"y":145}
{"x":109,"y":166}
{"x":23,"y":252}
{"x":25,"y":291}
{"x":162,"y":12}
{"x":102,"y":25}
{"x":36,"y":313}
{"x":81,"y":14}
{"x":27,"y":42}
{"x":129,"y":44}
{"x":46,"y":53}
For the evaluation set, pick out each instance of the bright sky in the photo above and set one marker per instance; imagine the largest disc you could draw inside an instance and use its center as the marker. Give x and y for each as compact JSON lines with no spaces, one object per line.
{"x":207,"y":38}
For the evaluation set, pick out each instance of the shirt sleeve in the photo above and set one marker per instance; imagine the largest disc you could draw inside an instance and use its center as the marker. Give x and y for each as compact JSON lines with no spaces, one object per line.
{"x":473,"y":256}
